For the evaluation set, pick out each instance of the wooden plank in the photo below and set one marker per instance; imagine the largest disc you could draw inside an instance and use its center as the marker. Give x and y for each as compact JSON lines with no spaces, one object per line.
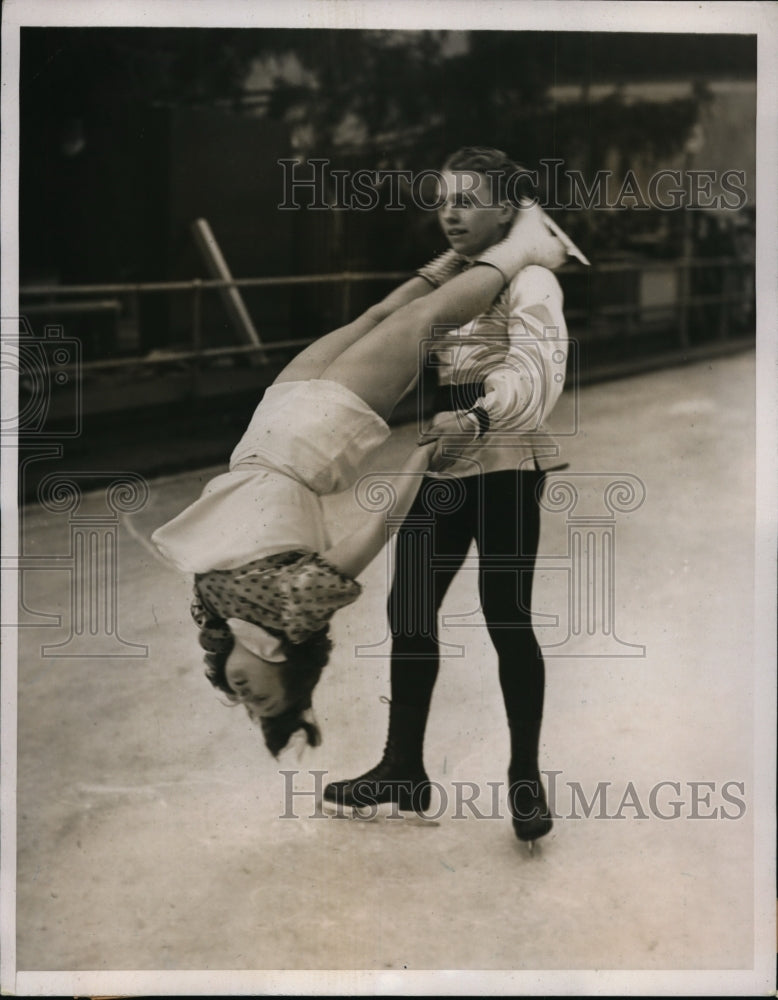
{"x":231,"y":297}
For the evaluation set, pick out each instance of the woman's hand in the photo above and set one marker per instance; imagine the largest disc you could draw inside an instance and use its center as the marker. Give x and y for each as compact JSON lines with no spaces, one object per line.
{"x":419,"y":459}
{"x":529,"y":241}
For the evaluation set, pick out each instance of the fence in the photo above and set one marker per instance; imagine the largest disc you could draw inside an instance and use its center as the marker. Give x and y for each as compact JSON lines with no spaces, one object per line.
{"x":624,"y":315}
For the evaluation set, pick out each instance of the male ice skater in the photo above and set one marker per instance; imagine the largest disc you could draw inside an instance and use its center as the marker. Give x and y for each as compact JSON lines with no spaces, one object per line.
{"x":499,"y":376}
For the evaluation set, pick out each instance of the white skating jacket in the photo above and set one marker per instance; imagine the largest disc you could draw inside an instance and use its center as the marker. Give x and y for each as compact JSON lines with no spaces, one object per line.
{"x":518,"y":350}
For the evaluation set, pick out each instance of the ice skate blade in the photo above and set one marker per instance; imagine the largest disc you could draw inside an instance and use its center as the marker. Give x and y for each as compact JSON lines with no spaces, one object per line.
{"x":532,"y":848}
{"x":532,"y":838}
{"x":381,"y":812}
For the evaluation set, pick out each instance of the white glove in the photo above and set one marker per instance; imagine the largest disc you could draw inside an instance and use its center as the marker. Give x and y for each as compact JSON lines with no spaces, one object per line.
{"x":529,"y":241}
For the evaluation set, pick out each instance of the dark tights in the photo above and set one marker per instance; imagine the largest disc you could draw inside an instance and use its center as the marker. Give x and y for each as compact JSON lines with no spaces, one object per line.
{"x":500,"y":511}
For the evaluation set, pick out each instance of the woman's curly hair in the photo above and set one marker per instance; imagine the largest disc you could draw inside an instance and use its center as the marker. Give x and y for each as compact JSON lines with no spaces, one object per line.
{"x":302,"y":670}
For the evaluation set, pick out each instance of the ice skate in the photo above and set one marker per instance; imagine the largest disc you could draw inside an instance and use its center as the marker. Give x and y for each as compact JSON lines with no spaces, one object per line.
{"x":526,"y":796}
{"x":529,"y":809}
{"x":398,"y":784}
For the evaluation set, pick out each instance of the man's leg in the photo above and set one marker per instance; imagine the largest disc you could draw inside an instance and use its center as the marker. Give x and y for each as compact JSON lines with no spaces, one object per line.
{"x":423,"y":574}
{"x":509,"y":529}
{"x":509,"y":532}
{"x":417,"y":592}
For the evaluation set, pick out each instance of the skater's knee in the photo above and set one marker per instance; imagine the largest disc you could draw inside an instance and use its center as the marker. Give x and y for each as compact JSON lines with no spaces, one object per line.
{"x":414,"y":634}
{"x":515,"y":643}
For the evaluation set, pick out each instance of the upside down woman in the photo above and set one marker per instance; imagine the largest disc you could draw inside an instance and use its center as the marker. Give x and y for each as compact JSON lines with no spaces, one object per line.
{"x":266,"y":578}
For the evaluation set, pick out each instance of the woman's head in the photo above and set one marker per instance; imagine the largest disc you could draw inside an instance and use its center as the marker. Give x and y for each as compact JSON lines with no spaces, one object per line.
{"x":276,"y":687}
{"x":256,"y":682}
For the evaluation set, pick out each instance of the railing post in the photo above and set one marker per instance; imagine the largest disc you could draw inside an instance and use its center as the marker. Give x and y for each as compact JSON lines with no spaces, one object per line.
{"x":346,"y":301}
{"x":197,"y":314}
{"x":683,"y":319}
{"x":230,"y":293}
{"x":725,"y":287}
{"x":197,"y":334}
{"x":135,"y":308}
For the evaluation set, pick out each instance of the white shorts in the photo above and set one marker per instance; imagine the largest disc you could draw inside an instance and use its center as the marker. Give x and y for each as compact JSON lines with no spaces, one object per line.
{"x":306,"y":439}
{"x":317,"y":432}
{"x":243,"y":515}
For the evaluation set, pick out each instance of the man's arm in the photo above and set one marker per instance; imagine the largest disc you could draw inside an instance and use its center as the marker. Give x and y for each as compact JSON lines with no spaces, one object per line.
{"x":523,"y":382}
{"x":522,"y":390}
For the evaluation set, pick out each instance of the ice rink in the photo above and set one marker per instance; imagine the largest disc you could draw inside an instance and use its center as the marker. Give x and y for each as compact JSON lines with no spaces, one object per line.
{"x":155,"y":832}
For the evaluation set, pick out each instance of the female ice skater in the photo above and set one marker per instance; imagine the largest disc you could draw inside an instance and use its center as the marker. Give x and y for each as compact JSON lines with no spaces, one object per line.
{"x":266,"y":579}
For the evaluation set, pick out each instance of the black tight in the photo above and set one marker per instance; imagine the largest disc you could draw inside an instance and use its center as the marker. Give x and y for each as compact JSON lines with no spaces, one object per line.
{"x":500,"y":511}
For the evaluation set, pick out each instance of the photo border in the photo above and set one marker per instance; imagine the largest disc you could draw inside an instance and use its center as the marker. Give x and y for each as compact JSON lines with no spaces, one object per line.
{"x":708,"y":18}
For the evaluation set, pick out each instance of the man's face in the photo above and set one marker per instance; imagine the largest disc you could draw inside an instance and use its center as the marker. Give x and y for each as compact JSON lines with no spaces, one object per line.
{"x":471,"y":216}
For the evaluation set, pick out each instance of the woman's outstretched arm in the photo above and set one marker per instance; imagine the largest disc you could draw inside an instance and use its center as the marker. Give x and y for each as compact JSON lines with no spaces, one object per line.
{"x":380,"y":366}
{"x":356,"y":551}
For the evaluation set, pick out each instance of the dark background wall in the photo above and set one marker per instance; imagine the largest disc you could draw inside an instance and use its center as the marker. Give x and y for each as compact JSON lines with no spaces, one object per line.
{"x":128,"y":135}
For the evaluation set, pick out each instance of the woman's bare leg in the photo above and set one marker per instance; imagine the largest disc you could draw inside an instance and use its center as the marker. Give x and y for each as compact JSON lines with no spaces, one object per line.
{"x":380,"y":365}
{"x":311,"y":362}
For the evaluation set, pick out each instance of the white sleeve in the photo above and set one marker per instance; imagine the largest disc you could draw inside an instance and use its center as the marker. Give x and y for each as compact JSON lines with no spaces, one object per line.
{"x":523,"y":387}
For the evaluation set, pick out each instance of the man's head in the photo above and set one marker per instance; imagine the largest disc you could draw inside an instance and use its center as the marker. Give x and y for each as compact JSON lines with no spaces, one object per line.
{"x":480,"y":191}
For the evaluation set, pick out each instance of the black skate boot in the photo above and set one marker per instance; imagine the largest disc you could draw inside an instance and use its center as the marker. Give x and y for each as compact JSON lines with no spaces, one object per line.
{"x":526,"y":796}
{"x":399,"y":778}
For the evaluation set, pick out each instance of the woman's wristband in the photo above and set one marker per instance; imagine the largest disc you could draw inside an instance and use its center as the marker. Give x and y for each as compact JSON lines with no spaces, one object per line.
{"x":443,"y":268}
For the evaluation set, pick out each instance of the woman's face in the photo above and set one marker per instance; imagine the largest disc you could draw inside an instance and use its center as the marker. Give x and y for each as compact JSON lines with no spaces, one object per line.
{"x":257,"y":683}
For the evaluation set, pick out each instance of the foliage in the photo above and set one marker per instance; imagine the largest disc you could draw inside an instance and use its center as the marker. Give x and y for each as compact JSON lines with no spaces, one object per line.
{"x":403,"y":97}
{"x":99,"y":71}
{"x":360,"y":98}
{"x":411,"y":97}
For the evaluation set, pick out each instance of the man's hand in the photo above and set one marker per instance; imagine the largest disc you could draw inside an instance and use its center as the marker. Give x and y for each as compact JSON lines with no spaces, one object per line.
{"x":452,"y":428}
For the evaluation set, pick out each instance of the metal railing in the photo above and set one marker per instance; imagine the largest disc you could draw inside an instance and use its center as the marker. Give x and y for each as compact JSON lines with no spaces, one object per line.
{"x":597,"y":320}
{"x":196,"y":287}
